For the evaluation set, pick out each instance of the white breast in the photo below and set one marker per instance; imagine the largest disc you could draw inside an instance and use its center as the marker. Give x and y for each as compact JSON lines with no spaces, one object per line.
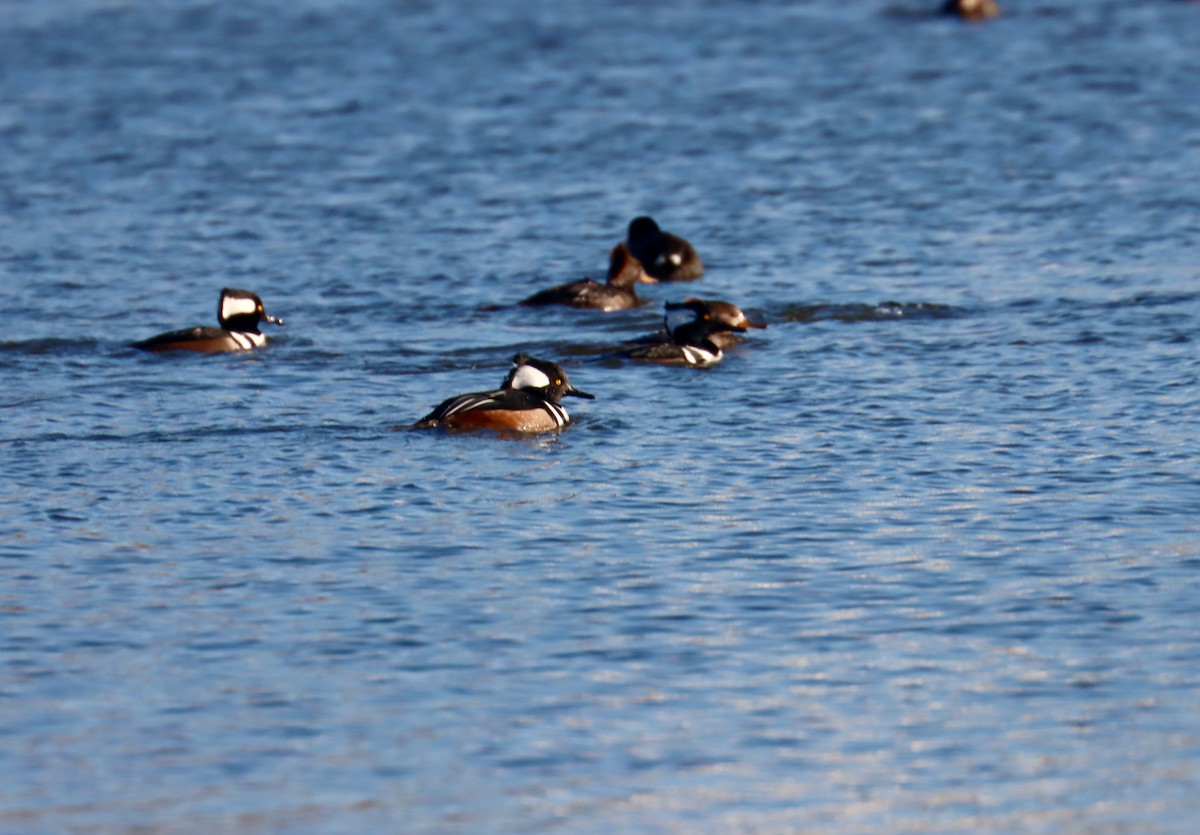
{"x":247,"y":341}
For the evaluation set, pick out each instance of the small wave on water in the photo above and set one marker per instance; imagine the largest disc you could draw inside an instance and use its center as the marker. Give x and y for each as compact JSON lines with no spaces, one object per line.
{"x":39,"y":347}
{"x":858,"y":312}
{"x":199,"y":436}
{"x":1135,"y":319}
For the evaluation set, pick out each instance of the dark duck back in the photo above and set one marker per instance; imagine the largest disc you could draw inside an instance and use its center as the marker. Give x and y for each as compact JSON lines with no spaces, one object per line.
{"x":527,"y":402}
{"x":694,"y":332}
{"x":239,"y":313}
{"x":617,"y":293}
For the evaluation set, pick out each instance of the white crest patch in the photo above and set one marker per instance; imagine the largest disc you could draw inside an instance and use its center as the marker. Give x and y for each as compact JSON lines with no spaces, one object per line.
{"x":237,"y":306}
{"x":675,"y":258}
{"x":528,"y":377}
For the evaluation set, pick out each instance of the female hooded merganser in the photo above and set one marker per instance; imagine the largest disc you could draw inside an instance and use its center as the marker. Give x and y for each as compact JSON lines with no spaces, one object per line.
{"x":238,"y":312}
{"x":971,"y":9}
{"x":624,"y":271}
{"x":526,"y":402}
{"x":694,"y":331}
{"x":710,"y":309}
{"x":667,"y":257}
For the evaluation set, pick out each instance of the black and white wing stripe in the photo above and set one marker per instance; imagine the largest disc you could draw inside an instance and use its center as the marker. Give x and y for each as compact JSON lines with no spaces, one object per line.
{"x":248,"y":340}
{"x":557,"y":412}
{"x":668,"y":352}
{"x":500,"y":400}
{"x":700,"y":357}
{"x":464,"y":403}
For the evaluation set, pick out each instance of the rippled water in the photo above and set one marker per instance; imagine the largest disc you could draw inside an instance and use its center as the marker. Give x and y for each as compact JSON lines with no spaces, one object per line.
{"x":921,"y":557}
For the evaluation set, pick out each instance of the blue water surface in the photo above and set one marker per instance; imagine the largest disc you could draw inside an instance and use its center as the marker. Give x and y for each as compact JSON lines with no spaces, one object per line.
{"x":923,"y":556}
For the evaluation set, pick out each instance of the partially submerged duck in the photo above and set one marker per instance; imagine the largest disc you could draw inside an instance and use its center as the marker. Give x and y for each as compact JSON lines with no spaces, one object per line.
{"x":697,"y":335}
{"x":239,"y":313}
{"x":710,"y":309}
{"x":971,"y":9}
{"x":665,"y":256}
{"x":617,"y":293}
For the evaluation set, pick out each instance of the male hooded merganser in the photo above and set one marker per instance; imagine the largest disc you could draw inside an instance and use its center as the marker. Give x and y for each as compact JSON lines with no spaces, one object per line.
{"x":624,"y":271}
{"x":694,"y":333}
{"x":526,"y":402}
{"x":710,"y":309}
{"x":238,"y":312}
{"x":667,"y":257}
{"x":971,"y":9}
